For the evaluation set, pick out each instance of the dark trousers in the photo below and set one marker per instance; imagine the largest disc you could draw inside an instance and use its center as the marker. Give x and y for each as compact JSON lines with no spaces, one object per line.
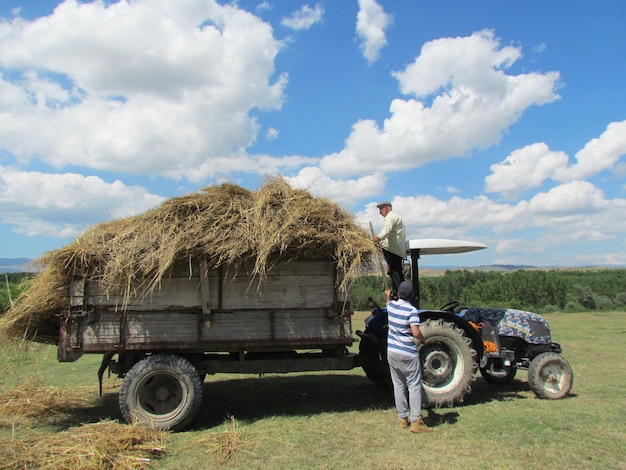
{"x":395,"y":268}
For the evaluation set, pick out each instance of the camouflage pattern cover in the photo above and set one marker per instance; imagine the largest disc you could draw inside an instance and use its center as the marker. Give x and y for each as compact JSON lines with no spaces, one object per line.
{"x":529,"y":326}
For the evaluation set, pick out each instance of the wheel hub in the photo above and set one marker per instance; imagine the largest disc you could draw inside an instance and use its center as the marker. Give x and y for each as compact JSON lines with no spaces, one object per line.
{"x":162,"y":393}
{"x":438,"y":366}
{"x":552,"y":378}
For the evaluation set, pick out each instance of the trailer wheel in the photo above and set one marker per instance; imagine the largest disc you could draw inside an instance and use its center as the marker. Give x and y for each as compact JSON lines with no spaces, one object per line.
{"x":449,"y":363}
{"x":550,"y":376}
{"x":163,"y":391}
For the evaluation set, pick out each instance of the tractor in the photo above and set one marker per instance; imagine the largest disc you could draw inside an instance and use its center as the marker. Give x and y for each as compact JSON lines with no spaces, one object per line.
{"x":462,"y":340}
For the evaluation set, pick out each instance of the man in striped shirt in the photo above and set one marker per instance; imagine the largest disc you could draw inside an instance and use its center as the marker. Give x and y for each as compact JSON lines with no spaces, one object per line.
{"x":403,"y":358}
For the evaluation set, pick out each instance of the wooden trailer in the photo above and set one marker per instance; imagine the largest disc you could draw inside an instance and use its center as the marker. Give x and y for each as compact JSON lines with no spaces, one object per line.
{"x":197,"y":321}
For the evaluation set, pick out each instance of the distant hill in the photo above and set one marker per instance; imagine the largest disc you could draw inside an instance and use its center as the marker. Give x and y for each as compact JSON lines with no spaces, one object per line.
{"x":434,"y":271}
{"x":503,"y":267}
{"x":16,"y":265}
{"x":440,"y":270}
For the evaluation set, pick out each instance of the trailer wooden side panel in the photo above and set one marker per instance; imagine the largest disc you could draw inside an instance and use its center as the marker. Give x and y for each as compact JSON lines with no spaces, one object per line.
{"x":297,"y":306}
{"x":294,"y":285}
{"x":250,"y":330}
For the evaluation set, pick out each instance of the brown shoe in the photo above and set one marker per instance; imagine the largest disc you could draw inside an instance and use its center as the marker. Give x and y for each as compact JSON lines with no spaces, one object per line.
{"x":419,"y":426}
{"x":404,"y":423}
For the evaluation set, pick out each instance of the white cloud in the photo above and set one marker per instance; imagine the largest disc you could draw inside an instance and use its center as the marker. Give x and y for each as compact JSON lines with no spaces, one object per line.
{"x":459,"y":218}
{"x":371,"y":25}
{"x":530,"y":166}
{"x":63,"y":204}
{"x":264,"y":6}
{"x":507,"y":245}
{"x":574,"y":198}
{"x":272,"y":134}
{"x":223,"y":167}
{"x":524,"y":169}
{"x":304,"y":18}
{"x":561,"y":219}
{"x":475,"y":63}
{"x":344,"y":192}
{"x":599,"y":154}
{"x":150,"y":86}
{"x":476,"y":103}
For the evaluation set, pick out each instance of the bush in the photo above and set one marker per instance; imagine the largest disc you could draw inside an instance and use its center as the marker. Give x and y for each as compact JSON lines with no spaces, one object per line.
{"x":549,"y":309}
{"x":603,"y":302}
{"x":584,"y":296}
{"x":572,"y":307}
{"x":620,"y":300}
{"x":364,"y":287}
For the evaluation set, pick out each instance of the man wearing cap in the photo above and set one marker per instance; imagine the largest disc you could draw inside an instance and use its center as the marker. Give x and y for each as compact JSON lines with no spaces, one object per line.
{"x":403,"y":337}
{"x":392,"y":240}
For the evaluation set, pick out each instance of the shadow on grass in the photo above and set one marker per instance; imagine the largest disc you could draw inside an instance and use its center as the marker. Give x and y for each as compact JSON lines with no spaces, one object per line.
{"x":485,"y":392}
{"x":103,"y":408}
{"x":256,"y":398}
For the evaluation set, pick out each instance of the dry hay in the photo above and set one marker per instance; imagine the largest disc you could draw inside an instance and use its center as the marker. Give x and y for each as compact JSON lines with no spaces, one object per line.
{"x":104,"y":445}
{"x":223,"y":445}
{"x":26,"y":404}
{"x":227,"y":224}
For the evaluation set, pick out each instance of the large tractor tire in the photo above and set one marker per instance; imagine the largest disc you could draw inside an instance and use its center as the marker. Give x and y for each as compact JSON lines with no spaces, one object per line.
{"x":449,"y":363}
{"x":163,"y":391}
{"x":550,"y":376}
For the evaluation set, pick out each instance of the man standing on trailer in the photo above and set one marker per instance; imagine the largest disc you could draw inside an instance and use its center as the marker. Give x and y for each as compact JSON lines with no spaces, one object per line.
{"x":392,"y":240}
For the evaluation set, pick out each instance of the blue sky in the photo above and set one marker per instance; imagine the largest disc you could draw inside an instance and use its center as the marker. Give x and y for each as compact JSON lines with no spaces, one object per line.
{"x":497,"y":122}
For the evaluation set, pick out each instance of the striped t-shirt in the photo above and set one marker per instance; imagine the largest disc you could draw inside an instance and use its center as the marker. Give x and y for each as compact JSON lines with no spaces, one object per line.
{"x":402,"y":314}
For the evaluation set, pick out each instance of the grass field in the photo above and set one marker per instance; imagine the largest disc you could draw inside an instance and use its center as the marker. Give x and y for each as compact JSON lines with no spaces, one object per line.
{"x":335,"y":420}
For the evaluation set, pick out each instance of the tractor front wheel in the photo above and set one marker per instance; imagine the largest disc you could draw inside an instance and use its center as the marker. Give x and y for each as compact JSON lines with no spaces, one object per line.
{"x":550,"y":376}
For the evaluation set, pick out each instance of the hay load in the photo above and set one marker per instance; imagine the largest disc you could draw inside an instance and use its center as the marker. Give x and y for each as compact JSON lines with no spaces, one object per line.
{"x":227,"y":224}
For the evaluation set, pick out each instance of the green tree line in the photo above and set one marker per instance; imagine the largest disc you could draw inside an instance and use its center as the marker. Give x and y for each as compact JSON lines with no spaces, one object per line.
{"x":10,"y":288}
{"x":533,"y":290}
{"x":540,"y":291}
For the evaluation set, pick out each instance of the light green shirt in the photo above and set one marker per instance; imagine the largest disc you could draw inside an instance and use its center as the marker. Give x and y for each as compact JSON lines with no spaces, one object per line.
{"x":392,"y":236}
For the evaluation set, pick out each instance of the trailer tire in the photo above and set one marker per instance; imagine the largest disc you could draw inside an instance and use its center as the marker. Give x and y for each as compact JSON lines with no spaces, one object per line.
{"x":550,"y":376}
{"x":163,"y":391}
{"x":449,"y":363}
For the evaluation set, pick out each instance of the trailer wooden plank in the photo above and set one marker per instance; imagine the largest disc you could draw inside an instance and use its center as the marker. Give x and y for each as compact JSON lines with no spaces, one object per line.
{"x":297,"y":306}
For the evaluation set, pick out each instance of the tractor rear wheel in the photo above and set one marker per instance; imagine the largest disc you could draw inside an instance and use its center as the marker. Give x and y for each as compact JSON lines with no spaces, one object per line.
{"x":449,"y":363}
{"x":373,"y":357}
{"x":550,"y":376}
